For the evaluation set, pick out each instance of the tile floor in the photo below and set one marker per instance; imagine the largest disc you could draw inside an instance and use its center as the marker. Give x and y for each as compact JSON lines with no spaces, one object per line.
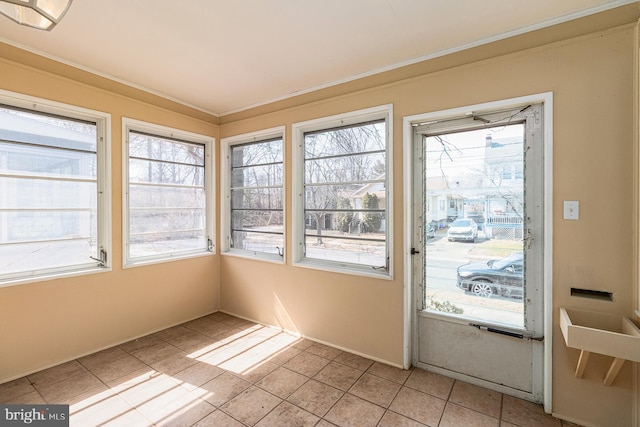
{"x":220,"y":370}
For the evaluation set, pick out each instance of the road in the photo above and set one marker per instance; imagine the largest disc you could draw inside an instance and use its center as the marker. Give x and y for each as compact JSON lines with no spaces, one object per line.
{"x":443,"y":259}
{"x":441,"y":274}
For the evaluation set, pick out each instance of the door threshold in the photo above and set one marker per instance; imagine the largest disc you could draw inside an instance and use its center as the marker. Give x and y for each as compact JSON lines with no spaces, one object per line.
{"x":520,"y":394}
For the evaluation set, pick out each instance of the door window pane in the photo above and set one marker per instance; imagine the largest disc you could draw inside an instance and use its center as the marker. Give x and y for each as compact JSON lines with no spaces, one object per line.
{"x":474,"y":264}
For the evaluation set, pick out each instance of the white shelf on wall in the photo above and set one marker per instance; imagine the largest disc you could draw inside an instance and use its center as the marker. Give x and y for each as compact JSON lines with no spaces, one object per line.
{"x":602,"y":333}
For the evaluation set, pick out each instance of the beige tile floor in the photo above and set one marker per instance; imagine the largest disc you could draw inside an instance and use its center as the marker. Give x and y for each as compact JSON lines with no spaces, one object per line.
{"x":220,"y":370}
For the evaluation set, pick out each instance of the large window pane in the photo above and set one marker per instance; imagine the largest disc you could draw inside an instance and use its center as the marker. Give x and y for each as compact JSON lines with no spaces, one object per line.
{"x":345,"y":194}
{"x":48,"y":193}
{"x":256,"y":197}
{"x":167,"y":197}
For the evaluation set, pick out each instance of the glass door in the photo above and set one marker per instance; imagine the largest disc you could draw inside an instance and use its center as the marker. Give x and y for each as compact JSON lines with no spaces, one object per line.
{"x":478,"y":248}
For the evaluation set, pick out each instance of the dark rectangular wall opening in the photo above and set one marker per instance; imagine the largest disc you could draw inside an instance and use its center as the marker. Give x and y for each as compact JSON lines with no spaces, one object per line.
{"x":589,"y":293}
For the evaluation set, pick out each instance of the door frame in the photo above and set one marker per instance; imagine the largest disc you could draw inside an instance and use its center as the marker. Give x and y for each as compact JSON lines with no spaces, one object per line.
{"x":410,"y":312}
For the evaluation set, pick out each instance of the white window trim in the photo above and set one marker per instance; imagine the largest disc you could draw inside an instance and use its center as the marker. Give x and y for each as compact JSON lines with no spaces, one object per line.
{"x":129,"y":124}
{"x":351,"y":118}
{"x":225,"y":187}
{"x":103,"y":151}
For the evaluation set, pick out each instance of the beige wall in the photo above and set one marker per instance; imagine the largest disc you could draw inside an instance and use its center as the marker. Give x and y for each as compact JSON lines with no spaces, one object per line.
{"x":591,"y":78}
{"x":45,"y":323}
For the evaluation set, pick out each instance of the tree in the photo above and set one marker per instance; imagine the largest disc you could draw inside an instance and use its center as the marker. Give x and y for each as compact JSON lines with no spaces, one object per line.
{"x":372,"y":221}
{"x":344,"y":218}
{"x":171,"y":204}
{"x":337,"y":162}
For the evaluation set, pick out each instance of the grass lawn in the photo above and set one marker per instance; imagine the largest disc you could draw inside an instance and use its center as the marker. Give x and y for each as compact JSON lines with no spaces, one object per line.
{"x":496,"y":248}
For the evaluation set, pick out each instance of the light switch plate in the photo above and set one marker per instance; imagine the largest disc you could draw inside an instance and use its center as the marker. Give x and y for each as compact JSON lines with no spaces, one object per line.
{"x":571,"y":209}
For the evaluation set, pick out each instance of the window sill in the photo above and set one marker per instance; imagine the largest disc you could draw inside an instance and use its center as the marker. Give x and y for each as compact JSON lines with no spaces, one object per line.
{"x":53,"y":276}
{"x":177,"y":257}
{"x":256,"y":256}
{"x":352,"y":269}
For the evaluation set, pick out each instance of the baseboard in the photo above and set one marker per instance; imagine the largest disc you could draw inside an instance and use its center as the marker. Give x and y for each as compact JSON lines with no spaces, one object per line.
{"x":319,"y":341}
{"x":31,"y":372}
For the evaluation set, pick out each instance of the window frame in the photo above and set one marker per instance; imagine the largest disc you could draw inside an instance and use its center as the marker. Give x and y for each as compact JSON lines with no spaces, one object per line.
{"x":102,"y":121}
{"x":226,"y":145}
{"x":353,"y":118}
{"x":133,"y":125}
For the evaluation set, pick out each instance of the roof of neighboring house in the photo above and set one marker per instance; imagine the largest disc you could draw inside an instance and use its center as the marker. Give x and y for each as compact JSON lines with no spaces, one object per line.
{"x":377,"y":188}
{"x":22,"y":128}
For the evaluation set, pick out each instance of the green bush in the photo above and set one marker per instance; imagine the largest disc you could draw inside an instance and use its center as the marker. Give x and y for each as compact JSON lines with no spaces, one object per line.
{"x":445,"y":307}
{"x":344,"y":218}
{"x":372,"y":221}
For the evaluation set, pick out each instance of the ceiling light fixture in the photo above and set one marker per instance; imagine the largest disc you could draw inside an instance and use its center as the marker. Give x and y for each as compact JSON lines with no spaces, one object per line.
{"x":41,"y":14}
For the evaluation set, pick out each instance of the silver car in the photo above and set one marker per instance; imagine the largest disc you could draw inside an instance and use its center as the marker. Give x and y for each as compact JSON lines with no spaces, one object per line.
{"x":463,"y":229}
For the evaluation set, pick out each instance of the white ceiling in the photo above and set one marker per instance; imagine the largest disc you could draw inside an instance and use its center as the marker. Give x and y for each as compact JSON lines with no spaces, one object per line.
{"x":222,"y":56}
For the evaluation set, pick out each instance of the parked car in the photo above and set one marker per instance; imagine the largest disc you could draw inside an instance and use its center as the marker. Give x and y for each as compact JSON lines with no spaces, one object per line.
{"x":463,"y":229}
{"x":431,"y":231}
{"x":502,"y":277}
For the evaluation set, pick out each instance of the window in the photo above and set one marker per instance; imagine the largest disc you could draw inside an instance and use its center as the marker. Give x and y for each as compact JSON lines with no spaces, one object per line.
{"x":342,"y":203}
{"x":253,"y":206}
{"x":168,"y":207}
{"x":519,"y":172}
{"x":54,"y":189}
{"x":506,"y":172}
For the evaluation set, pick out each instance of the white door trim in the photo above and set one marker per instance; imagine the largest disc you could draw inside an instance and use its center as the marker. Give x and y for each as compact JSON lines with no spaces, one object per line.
{"x":410,"y":322}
